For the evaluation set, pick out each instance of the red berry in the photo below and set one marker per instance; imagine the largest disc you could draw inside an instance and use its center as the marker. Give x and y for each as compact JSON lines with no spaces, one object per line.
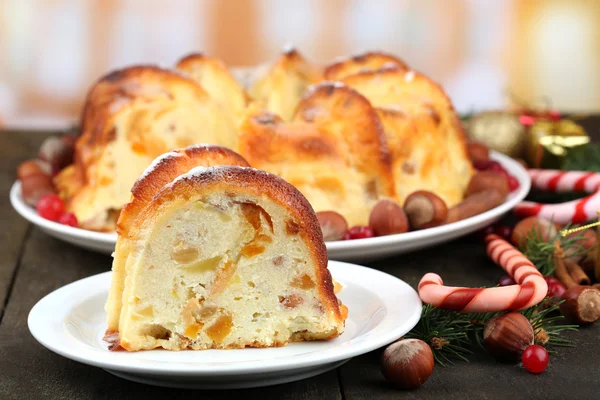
{"x":513,"y":183}
{"x":346,"y":236}
{"x":482,"y":165}
{"x":486,"y":231}
{"x":550,"y":279}
{"x":535,"y":359}
{"x":360,"y":232}
{"x":68,"y":219}
{"x":527,"y":120}
{"x":554,"y":115}
{"x":506,"y":280}
{"x":50,"y":207}
{"x":503,"y":231}
{"x":556,"y":289}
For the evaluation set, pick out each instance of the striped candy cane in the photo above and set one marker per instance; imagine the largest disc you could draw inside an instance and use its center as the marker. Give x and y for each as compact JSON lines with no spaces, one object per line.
{"x":531,"y":288}
{"x":576,"y":211}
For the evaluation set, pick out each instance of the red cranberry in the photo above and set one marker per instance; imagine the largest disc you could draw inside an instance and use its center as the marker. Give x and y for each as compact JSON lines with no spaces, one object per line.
{"x":506,"y":280}
{"x":554,"y":115}
{"x":550,"y":279}
{"x":535,"y":359}
{"x":513,"y":183}
{"x":482,"y":165}
{"x":359,"y":232}
{"x":68,"y":219}
{"x":486,"y":231}
{"x":50,"y":207}
{"x":556,"y":289}
{"x":503,"y":231}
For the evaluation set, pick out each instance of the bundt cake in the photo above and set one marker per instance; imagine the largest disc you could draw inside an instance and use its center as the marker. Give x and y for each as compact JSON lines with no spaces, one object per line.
{"x":333,"y":151}
{"x":282,"y":86}
{"x":369,"y":61}
{"x":220,"y":257}
{"x":425,"y":135}
{"x":130,"y":117}
{"x":214,"y":77}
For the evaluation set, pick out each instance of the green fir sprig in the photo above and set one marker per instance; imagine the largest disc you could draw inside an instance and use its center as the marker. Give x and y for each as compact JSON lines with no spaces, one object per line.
{"x":542,"y":252}
{"x":453,"y":335}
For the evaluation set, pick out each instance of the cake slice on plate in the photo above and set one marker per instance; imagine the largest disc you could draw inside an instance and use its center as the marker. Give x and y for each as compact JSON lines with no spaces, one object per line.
{"x":220,"y":257}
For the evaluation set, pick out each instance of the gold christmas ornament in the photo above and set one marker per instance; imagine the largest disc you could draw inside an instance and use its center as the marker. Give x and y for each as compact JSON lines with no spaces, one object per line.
{"x":550,"y":141}
{"x":499,"y":130}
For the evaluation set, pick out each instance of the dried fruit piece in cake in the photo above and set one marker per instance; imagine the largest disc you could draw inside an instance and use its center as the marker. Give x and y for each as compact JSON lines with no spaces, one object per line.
{"x":369,"y":61}
{"x":282,"y":86}
{"x":211,"y":262}
{"x":130,"y":117}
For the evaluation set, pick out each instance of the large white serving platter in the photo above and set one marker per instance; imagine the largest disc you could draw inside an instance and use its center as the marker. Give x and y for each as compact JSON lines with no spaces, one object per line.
{"x":351,"y":250}
{"x":71,"y":322}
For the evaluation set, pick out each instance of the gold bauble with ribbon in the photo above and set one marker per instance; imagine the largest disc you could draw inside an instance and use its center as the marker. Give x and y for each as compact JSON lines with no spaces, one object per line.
{"x":550,"y":141}
{"x":499,"y":130}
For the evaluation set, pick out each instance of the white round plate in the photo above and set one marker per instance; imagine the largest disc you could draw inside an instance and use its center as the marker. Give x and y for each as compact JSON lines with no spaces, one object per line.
{"x":71,"y":322}
{"x":350,"y":250}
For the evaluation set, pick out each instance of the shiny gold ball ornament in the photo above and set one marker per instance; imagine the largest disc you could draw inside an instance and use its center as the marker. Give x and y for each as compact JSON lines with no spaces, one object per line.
{"x":499,"y":130}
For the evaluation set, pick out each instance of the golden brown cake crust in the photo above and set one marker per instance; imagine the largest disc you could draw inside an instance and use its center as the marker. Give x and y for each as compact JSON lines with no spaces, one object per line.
{"x":337,"y":107}
{"x":168,"y":167}
{"x":255,"y":183}
{"x":368,"y":61}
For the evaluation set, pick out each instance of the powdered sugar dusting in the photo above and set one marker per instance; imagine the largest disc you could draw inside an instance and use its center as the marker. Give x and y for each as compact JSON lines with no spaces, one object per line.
{"x":156,"y":162}
{"x":312,"y":89}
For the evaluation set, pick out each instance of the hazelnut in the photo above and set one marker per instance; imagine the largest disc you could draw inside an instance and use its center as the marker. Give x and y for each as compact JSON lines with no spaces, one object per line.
{"x":387,"y":218}
{"x":534,"y":227}
{"x":407,"y":363}
{"x":478,"y":151}
{"x":507,"y":335}
{"x":581,"y":305}
{"x":488,"y":180}
{"x":33,"y":167}
{"x":425,"y":209}
{"x":586,"y":240}
{"x":333,"y":225}
{"x":58,"y":151}
{"x":34,"y":187}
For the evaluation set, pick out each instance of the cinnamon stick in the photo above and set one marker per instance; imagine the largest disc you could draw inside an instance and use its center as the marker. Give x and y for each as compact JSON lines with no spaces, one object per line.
{"x":561,"y":272}
{"x":577,"y":273}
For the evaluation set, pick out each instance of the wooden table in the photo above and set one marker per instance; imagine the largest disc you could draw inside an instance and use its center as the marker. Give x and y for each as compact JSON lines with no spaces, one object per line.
{"x":33,"y":264}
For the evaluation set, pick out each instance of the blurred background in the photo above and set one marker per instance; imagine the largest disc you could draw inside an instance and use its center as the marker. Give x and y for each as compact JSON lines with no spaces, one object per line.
{"x":484,"y":52}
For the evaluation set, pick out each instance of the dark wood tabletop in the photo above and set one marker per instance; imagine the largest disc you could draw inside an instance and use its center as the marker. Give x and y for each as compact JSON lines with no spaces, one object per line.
{"x":32,"y":264}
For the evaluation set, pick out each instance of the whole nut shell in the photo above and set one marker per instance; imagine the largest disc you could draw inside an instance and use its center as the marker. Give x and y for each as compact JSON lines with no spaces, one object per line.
{"x":33,"y":167}
{"x":478,"y":151}
{"x":407,"y":363}
{"x":507,"y":335}
{"x":387,"y":218}
{"x":425,"y":209}
{"x":333,"y":225}
{"x":541,"y":228}
{"x":58,"y":151}
{"x":581,"y":305}
{"x":488,"y":180}
{"x":34,"y":187}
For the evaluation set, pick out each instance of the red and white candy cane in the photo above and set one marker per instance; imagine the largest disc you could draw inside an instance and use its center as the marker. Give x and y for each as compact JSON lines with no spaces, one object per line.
{"x":531,"y":288}
{"x":576,"y":211}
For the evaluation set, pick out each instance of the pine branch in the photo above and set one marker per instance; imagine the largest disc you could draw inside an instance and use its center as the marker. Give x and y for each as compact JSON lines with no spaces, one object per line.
{"x":541,"y":252}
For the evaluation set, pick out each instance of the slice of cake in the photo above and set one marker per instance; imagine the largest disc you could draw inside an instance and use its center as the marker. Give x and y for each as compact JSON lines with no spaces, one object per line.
{"x":130,"y":117}
{"x":219,"y":257}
